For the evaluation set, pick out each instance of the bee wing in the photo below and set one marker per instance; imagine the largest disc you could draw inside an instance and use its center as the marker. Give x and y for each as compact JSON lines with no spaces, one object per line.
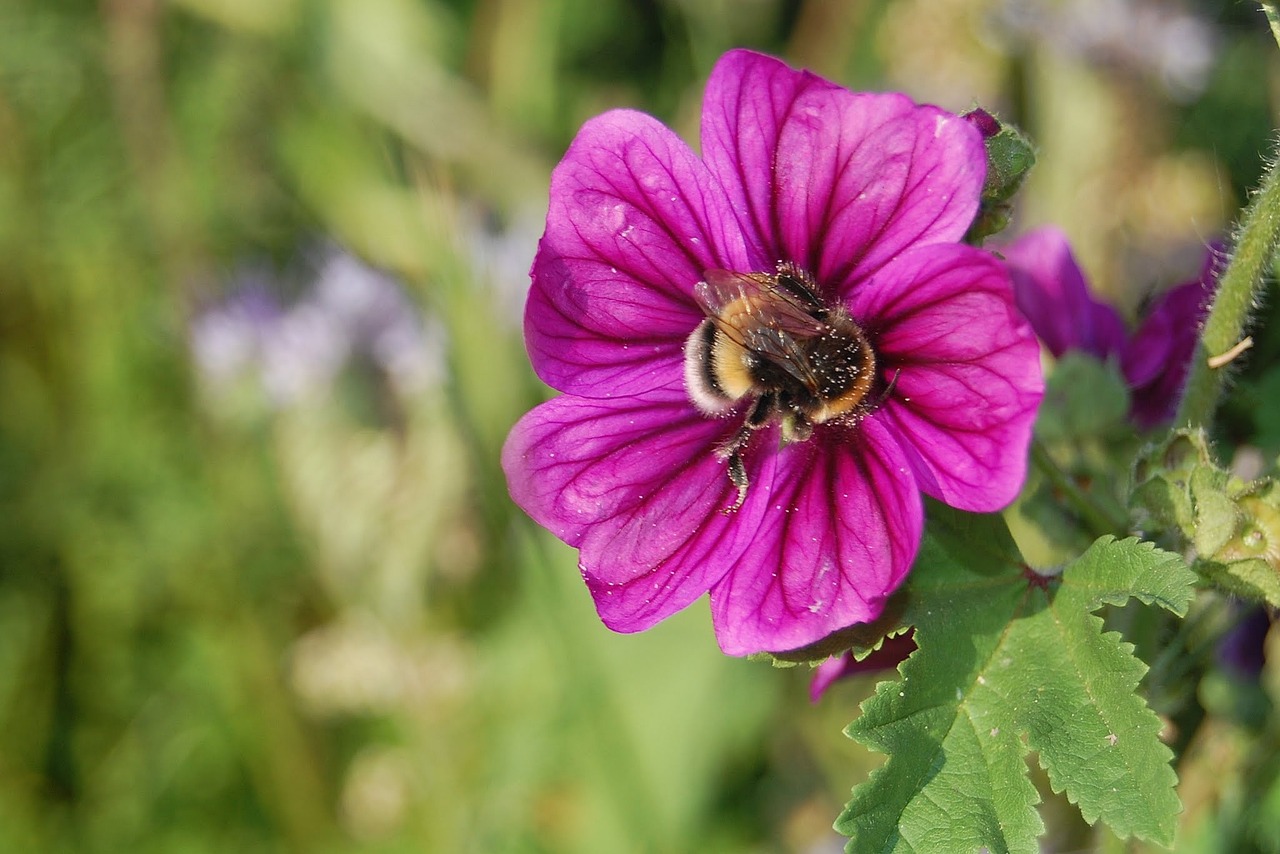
{"x":782,"y":349}
{"x":758,"y":296}
{"x":752,"y":310}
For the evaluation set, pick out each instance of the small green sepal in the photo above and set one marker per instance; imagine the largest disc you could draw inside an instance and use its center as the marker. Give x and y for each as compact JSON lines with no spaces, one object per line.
{"x":1010,"y":156}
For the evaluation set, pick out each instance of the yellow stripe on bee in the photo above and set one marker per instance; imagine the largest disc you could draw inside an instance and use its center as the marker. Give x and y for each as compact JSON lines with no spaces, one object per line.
{"x":730,"y":362}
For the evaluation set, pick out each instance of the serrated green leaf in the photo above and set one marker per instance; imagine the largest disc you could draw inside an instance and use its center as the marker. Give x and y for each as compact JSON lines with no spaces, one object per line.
{"x":1113,"y":571}
{"x":1010,"y":660}
{"x":1097,"y":739}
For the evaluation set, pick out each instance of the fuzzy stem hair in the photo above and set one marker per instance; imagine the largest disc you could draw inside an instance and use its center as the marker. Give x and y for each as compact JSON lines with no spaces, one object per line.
{"x":1237,"y":293}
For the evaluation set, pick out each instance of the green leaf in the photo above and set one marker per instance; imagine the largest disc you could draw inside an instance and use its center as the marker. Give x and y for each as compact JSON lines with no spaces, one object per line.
{"x":1011,"y":660}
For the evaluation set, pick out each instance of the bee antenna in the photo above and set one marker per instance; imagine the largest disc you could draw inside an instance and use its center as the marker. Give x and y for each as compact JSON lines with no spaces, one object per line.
{"x":888,"y":390}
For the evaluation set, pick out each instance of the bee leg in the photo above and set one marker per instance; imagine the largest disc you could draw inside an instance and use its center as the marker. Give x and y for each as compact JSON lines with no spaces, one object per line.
{"x":796,"y":428}
{"x":759,"y":415}
{"x":738,"y":477}
{"x":731,"y":451}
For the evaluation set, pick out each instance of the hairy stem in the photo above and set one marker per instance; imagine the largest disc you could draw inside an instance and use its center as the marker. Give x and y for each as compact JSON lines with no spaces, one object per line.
{"x":1225,"y":327}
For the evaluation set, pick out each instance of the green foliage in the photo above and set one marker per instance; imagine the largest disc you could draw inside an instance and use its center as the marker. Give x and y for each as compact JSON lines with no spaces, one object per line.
{"x":227,"y":626}
{"x":1259,"y":399}
{"x":1011,"y":660}
{"x":1161,"y":496}
{"x":1084,"y":399}
{"x":1083,"y":448}
{"x":1234,"y":525}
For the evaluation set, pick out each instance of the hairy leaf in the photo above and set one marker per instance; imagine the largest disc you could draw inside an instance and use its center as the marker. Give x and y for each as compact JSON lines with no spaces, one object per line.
{"x":1010,"y":660}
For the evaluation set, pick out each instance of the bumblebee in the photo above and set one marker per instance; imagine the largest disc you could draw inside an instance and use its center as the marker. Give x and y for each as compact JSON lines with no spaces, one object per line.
{"x":769,"y":338}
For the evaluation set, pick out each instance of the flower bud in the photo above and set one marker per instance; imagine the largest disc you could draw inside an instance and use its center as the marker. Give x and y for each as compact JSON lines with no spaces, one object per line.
{"x":1161,"y":500}
{"x":1257,"y":534}
{"x":1010,"y":156}
{"x":1243,"y":558}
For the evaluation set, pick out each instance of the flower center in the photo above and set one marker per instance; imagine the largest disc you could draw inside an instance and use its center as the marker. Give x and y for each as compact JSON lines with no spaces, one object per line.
{"x":769,"y":338}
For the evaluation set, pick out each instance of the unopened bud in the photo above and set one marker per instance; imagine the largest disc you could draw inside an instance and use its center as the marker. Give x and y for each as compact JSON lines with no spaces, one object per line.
{"x":1257,"y":536}
{"x":1010,"y":157}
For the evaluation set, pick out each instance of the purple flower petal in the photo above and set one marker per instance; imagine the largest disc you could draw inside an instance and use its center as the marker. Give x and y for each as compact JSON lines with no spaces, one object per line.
{"x":968,"y":372}
{"x":838,"y":536}
{"x":1157,"y":358}
{"x":748,"y":99}
{"x":635,"y":219}
{"x":835,"y":181}
{"x":1053,"y":295}
{"x":1243,"y":649}
{"x":636,"y":486}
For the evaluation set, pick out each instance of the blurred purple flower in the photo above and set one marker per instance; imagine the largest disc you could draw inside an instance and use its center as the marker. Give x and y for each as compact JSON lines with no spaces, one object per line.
{"x":1051,"y":291}
{"x":1053,"y":294}
{"x":229,"y":337}
{"x":859,"y":198}
{"x":1157,"y":357}
{"x":1243,"y":649}
{"x":347,"y":311}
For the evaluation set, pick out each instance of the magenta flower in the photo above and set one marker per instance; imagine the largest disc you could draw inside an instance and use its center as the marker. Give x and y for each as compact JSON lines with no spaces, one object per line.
{"x":766,"y":354}
{"x":1054,"y":295}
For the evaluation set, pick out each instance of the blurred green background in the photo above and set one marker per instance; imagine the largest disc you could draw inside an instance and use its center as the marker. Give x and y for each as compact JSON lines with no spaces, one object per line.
{"x":262,"y":265}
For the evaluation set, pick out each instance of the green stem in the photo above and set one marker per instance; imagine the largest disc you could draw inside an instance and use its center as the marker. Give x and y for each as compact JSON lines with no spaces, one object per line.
{"x":1094,"y":515}
{"x":1225,"y":326}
